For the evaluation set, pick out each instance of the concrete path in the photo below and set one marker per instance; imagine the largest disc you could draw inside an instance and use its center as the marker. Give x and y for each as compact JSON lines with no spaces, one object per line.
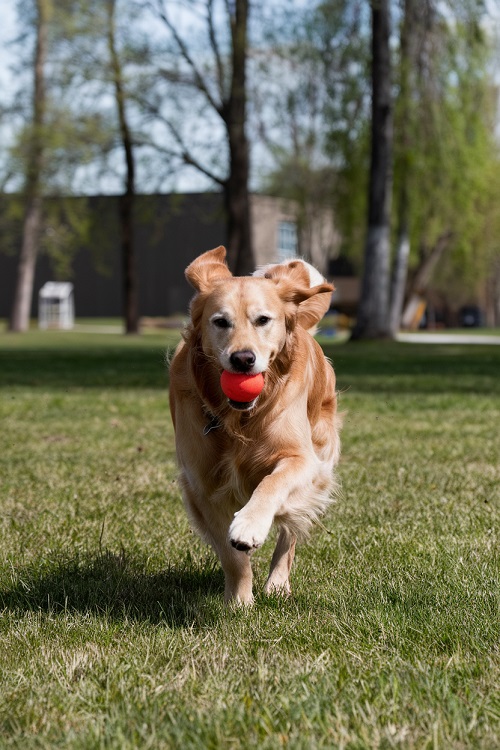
{"x":447,"y":338}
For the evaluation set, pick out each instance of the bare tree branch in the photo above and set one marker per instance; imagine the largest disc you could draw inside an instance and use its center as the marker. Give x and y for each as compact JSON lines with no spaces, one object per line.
{"x":215,"y":48}
{"x":183,"y":151}
{"x":224,"y":90}
{"x":201,"y":84}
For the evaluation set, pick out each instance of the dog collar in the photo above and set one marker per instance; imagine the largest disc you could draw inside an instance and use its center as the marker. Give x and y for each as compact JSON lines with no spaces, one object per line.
{"x":212,"y":425}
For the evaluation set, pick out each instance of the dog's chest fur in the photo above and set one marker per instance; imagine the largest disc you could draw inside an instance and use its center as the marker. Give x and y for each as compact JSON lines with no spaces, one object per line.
{"x":237,"y":462}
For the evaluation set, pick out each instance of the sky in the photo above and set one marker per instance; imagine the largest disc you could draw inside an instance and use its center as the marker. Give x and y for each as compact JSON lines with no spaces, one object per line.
{"x":7,"y":33}
{"x":190,"y":180}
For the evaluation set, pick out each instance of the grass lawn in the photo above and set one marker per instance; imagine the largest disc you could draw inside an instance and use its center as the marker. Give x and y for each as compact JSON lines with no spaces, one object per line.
{"x":113,"y":633}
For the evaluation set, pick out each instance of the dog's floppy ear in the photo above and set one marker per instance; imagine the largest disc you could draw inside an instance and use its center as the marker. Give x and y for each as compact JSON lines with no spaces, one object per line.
{"x":299,"y":275}
{"x":299,"y":295}
{"x":313,"y":309}
{"x":208,"y":268}
{"x":294,"y":270}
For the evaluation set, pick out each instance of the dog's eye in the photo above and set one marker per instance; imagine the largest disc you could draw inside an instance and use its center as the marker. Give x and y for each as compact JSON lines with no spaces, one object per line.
{"x":262,"y":320}
{"x":221,"y":323}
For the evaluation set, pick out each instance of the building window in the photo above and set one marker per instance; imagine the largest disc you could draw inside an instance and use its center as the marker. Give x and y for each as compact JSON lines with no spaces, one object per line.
{"x":287,"y":240}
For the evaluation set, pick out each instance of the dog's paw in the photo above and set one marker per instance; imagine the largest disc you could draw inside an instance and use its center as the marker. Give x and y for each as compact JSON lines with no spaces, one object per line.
{"x":278,"y":585}
{"x":247,"y":535}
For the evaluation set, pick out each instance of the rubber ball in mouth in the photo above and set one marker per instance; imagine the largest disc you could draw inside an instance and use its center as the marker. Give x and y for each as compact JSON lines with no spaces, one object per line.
{"x":240,"y":386}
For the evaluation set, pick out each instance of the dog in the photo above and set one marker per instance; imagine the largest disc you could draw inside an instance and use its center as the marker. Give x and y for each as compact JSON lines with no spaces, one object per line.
{"x":244,"y":466}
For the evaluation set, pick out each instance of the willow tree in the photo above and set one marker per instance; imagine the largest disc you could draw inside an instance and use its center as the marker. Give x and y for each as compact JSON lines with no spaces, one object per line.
{"x":443,"y":149}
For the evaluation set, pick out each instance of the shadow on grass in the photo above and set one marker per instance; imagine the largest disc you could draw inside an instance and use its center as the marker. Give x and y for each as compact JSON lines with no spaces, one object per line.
{"x":111,"y":367}
{"x":388,"y":367}
{"x":117,"y":587}
{"x":366,"y":367}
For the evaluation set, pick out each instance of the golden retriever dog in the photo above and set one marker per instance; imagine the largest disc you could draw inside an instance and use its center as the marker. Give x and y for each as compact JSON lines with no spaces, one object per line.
{"x":247,"y":465}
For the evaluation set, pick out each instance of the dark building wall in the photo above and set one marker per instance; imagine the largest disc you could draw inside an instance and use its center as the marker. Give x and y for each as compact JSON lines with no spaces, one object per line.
{"x":179,"y":229}
{"x":171,"y":230}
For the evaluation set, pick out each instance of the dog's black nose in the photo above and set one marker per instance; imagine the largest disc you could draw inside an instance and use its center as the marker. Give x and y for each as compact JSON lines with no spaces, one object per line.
{"x":242,"y":361}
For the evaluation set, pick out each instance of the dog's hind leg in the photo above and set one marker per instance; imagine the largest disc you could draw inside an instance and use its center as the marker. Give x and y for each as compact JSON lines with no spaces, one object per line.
{"x":281,"y":563}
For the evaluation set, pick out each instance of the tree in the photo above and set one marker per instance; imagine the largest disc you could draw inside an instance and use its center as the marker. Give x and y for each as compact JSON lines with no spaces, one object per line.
{"x":19,"y":320}
{"x":308,"y":85}
{"x":93,"y":61}
{"x":443,"y":150}
{"x":218,"y":85}
{"x":373,"y":312}
{"x":130,"y":280}
{"x":97,"y":63}
{"x":49,"y":141}
{"x":409,"y":39}
{"x":449,"y":151}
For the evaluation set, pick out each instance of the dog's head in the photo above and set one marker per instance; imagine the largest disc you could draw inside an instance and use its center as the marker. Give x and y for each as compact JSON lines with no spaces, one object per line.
{"x":244,"y":322}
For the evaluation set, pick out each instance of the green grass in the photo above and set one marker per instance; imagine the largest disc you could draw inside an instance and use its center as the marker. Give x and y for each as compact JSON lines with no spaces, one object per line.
{"x":113,"y":633}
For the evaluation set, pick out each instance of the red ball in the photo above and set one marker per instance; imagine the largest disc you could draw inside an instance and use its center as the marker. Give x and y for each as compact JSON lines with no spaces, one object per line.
{"x":240,"y":387}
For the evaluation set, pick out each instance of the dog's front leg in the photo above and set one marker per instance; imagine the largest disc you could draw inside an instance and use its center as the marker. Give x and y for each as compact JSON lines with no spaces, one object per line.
{"x":252,"y":523}
{"x":211,"y":519}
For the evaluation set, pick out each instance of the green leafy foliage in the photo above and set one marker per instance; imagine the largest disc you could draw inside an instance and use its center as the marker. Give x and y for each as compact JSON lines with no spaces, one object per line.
{"x":445,"y":144}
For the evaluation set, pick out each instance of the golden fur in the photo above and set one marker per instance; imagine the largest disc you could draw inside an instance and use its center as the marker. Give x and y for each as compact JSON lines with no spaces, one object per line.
{"x":245,"y":467}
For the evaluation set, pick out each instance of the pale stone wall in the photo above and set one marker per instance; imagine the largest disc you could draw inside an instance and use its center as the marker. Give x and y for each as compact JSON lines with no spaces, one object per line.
{"x":318,"y":240}
{"x":266,"y":215}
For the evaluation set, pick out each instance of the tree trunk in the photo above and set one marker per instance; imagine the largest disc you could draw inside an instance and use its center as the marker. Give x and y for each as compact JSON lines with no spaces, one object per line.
{"x":130,"y":285}
{"x":20,"y":314}
{"x":237,"y":198}
{"x":399,"y":275}
{"x":127,"y":200}
{"x":237,"y":205}
{"x":415,"y":306}
{"x":492,"y":289}
{"x":373,"y":313}
{"x":400,"y":270}
{"x":496,"y":294}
